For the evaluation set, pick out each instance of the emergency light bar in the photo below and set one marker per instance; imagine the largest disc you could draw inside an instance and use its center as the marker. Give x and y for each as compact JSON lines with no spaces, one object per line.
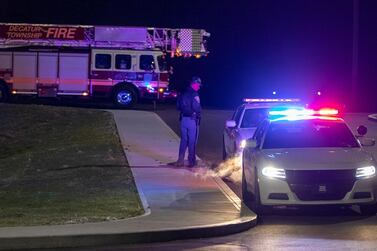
{"x":327,"y":112}
{"x":292,"y":112}
{"x":304,"y":112}
{"x":254,"y":100}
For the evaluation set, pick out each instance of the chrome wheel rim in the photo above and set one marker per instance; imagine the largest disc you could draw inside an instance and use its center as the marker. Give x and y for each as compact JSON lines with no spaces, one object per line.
{"x":124,"y":97}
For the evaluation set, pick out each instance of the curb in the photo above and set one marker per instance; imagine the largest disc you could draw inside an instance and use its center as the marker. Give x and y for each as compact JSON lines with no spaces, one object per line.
{"x":91,"y":240}
{"x":167,"y":127}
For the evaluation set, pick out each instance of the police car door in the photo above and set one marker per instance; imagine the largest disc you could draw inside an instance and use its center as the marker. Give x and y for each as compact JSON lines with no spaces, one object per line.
{"x":231,"y":133}
{"x":250,"y":154}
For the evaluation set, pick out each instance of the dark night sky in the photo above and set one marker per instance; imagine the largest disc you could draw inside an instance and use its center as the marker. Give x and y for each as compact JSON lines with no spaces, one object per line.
{"x":291,"y":46}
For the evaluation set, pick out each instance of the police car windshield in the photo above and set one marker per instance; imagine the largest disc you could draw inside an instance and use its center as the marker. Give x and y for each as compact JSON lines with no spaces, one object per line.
{"x":252,"y":117}
{"x":308,"y":133}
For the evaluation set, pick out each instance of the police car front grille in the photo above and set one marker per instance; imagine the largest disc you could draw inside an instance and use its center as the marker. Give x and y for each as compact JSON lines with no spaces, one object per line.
{"x":313,"y":185}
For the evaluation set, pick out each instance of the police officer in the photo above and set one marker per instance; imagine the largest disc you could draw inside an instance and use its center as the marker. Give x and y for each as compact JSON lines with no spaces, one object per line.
{"x":190,"y":111}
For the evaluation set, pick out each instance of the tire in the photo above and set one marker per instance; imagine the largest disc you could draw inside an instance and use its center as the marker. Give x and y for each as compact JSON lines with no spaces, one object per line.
{"x":368,"y":210}
{"x":246,"y":195}
{"x":124,"y":97}
{"x":256,"y":205}
{"x":4,"y":94}
{"x":252,"y":200}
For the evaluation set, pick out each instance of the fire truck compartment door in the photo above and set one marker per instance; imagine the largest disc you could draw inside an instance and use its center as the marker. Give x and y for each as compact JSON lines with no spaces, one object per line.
{"x":73,"y":71}
{"x":25,"y":71}
{"x":48,"y":68}
{"x":5,"y":60}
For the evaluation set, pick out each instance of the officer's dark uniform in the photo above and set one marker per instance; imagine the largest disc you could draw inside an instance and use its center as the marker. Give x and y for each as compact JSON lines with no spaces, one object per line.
{"x":189,"y":106}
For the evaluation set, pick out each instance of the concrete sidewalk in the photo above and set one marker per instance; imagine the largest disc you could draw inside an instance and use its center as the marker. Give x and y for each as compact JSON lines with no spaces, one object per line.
{"x":179,"y":203}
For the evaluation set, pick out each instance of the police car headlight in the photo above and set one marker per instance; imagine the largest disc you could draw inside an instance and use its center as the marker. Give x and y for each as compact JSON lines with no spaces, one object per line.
{"x":365,"y":172}
{"x":272,"y":172}
{"x":243,"y":144}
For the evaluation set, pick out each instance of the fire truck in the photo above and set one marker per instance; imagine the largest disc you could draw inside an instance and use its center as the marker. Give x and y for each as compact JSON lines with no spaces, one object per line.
{"x":123,"y":63}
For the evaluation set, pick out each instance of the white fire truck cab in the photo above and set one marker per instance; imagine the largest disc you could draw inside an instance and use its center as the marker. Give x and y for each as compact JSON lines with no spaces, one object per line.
{"x":121,"y":63}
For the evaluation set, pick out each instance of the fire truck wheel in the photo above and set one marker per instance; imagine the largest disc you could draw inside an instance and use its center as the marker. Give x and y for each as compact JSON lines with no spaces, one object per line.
{"x":3,"y":93}
{"x":124,"y":97}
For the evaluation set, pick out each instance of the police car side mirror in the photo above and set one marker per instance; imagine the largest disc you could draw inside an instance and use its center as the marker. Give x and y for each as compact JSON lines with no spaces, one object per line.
{"x":367,"y":141}
{"x":230,"y":124}
{"x":362,"y":130}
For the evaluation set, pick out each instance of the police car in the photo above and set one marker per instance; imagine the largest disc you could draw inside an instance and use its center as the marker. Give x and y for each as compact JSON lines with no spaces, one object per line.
{"x":305,"y":157}
{"x":245,"y":121}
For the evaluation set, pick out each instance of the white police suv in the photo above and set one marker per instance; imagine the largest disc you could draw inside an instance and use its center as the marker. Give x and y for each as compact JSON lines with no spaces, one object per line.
{"x":245,"y":121}
{"x":305,"y":157}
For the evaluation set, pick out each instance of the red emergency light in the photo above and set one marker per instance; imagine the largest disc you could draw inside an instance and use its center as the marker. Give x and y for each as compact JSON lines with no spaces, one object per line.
{"x":327,"y":112}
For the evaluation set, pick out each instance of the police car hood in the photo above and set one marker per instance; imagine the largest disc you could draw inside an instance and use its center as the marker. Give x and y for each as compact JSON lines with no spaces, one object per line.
{"x":316,"y":158}
{"x":246,"y":133}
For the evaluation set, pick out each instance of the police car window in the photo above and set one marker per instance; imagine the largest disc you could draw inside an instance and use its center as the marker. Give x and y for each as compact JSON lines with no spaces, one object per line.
{"x":237,"y":115}
{"x":147,"y":62}
{"x":103,"y":61}
{"x":123,"y":62}
{"x":260,"y":132}
{"x":252,"y":117}
{"x":309,"y":133}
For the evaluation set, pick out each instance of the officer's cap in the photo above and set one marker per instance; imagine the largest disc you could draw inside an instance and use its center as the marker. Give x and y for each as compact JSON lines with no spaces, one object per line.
{"x":196,"y":79}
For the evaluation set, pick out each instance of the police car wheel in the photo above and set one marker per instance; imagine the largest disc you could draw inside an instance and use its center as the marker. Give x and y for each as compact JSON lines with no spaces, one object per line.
{"x":246,"y":195}
{"x":3,"y":93}
{"x":255,"y":197}
{"x":368,"y":210}
{"x":124,"y":97}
